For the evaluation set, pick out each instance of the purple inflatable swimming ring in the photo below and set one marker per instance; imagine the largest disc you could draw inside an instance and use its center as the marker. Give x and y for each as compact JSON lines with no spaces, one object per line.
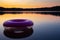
{"x":18,"y":23}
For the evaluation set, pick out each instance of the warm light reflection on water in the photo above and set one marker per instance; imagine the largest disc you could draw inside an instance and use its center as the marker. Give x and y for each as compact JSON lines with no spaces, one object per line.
{"x":41,"y":22}
{"x":33,"y":17}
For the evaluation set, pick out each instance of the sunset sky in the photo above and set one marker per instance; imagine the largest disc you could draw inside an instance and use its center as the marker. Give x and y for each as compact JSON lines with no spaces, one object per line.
{"x":28,"y":3}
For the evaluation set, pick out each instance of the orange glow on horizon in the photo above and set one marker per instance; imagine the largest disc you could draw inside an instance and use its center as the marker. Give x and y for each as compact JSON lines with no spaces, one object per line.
{"x":26,"y":4}
{"x":5,"y":5}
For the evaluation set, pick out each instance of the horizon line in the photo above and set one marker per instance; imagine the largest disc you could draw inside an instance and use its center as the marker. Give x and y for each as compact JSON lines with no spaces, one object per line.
{"x":29,"y":7}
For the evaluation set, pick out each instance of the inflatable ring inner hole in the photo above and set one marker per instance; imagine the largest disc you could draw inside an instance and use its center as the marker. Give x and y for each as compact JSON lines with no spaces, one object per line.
{"x":18,"y":20}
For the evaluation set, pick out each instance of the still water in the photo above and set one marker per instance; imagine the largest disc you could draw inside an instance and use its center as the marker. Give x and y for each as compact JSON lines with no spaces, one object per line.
{"x":46,"y":26}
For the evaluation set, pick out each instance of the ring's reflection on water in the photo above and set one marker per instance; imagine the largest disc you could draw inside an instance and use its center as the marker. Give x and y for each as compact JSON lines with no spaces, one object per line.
{"x":12,"y":33}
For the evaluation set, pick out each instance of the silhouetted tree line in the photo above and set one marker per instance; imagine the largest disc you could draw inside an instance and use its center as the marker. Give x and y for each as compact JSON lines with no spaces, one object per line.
{"x":10,"y":9}
{"x":55,"y":8}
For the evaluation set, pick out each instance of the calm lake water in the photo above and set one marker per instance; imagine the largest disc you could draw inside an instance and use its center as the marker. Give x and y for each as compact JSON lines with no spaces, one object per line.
{"x":46,"y":26}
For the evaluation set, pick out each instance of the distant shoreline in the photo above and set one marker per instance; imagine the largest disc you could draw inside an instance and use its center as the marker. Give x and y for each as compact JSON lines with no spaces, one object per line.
{"x":29,"y":11}
{"x":54,"y":8}
{"x":56,"y":13}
